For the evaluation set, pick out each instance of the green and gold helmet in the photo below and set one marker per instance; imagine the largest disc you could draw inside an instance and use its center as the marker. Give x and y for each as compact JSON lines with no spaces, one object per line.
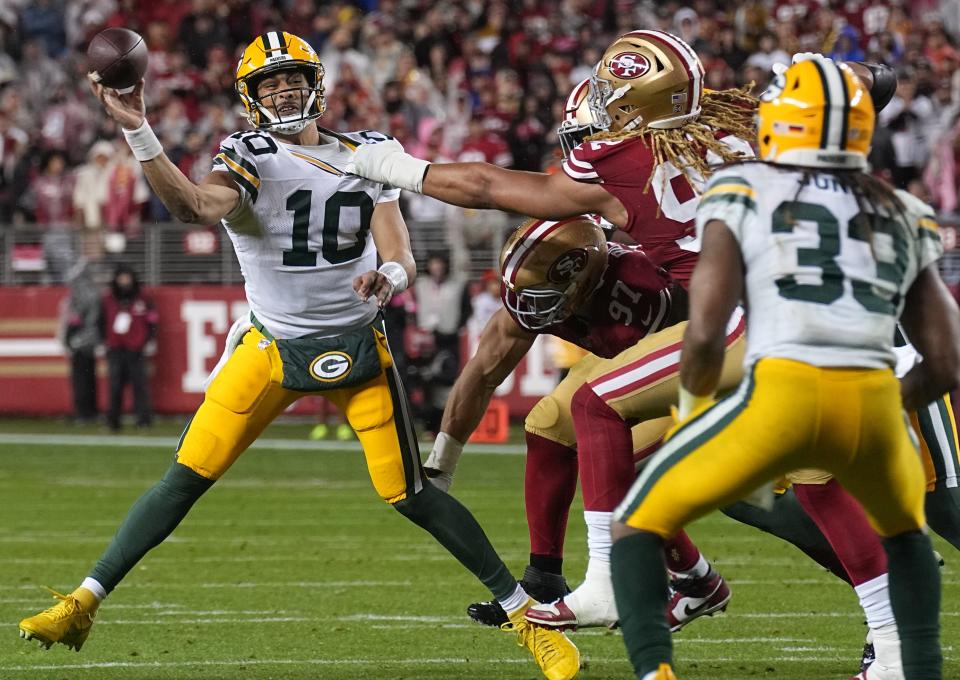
{"x":278,"y":51}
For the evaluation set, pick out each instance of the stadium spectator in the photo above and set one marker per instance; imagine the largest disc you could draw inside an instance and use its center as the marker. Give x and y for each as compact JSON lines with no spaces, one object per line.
{"x":51,"y":195}
{"x":44,"y":20}
{"x":127,"y":192}
{"x":908,"y":116}
{"x":769,"y":53}
{"x":130,"y":326}
{"x":80,"y":335}
{"x":13,"y":168}
{"x":90,"y":193}
{"x":443,"y":307}
{"x":200,"y":30}
{"x":485,"y":303}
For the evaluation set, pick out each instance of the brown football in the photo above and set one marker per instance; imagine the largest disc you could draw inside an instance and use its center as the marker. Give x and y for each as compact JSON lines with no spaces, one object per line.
{"x":118,"y":57}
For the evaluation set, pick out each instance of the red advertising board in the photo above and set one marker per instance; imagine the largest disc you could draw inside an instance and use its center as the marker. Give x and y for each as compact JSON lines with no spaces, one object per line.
{"x":34,"y":373}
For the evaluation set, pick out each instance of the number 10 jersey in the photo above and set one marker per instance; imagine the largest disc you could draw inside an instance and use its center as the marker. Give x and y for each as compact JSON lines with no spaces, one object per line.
{"x":824,"y":284}
{"x":301,"y":230}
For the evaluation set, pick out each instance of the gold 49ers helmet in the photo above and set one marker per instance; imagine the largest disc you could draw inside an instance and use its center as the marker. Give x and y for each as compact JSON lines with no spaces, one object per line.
{"x":818,"y":114}
{"x":577,"y":119}
{"x":547,"y":269}
{"x":276,"y":51}
{"x":646,"y":79}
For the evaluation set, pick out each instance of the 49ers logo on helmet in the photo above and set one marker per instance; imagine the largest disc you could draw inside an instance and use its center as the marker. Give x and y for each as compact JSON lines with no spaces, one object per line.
{"x":629,"y":65}
{"x":567,"y":266}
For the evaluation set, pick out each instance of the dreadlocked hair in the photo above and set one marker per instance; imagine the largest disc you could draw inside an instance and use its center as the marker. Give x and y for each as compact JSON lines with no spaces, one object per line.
{"x":730,"y":110}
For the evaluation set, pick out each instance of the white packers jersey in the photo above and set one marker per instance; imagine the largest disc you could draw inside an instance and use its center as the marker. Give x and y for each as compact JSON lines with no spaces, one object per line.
{"x":302,"y":230}
{"x":815,"y":289}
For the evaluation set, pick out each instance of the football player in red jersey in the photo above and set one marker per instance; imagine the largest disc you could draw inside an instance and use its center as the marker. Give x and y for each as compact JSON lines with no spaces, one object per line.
{"x":661,"y":135}
{"x":564,"y":279}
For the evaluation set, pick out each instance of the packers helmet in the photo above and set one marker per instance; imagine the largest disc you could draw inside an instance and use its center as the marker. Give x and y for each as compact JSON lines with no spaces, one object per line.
{"x":646,"y":79}
{"x":276,"y":51}
{"x":548,"y":269}
{"x":577,"y":119}
{"x":816,"y":114}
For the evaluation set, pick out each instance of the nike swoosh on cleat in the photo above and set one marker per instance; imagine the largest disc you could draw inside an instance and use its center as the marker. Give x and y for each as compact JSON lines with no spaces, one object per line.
{"x":688,"y":611}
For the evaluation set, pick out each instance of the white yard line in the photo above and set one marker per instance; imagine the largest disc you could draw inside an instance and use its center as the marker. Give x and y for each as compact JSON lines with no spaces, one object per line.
{"x":131,"y":441}
{"x":213,"y":663}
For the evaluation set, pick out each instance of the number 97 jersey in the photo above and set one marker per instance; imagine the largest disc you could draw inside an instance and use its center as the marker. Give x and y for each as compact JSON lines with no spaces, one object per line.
{"x":301,"y":230}
{"x":824,"y":285}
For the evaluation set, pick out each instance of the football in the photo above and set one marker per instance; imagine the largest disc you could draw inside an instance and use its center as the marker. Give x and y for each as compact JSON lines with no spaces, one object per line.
{"x":117,"y":57}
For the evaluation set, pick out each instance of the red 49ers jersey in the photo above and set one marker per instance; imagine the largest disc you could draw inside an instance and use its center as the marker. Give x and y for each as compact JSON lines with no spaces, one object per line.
{"x":632,"y":300}
{"x":660,"y":219}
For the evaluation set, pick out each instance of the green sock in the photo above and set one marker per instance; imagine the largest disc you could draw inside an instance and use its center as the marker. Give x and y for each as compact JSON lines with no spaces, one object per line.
{"x":943,"y":513}
{"x":790,"y":522}
{"x":459,"y":532}
{"x":640,"y":586}
{"x":915,"y":597}
{"x":150,"y":520}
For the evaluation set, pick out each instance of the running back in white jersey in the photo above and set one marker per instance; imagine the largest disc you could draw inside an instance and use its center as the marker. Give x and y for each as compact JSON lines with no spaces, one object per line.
{"x":302,"y":230}
{"x":815,"y":289}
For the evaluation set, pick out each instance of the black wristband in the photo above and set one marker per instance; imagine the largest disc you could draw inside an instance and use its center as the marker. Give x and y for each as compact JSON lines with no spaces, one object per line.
{"x":884,"y":83}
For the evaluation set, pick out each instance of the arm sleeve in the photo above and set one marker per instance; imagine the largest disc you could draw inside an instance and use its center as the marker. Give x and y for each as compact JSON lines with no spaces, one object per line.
{"x":233,"y":159}
{"x":730,"y":198}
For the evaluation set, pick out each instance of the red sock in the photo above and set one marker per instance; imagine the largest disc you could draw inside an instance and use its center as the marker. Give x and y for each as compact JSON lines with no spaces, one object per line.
{"x":549,"y":485}
{"x":681,"y":553}
{"x":845,"y":526}
{"x":605,"y":450}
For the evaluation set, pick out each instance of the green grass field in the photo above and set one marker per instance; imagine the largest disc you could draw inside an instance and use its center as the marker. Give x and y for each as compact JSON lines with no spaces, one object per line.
{"x":291,"y":567}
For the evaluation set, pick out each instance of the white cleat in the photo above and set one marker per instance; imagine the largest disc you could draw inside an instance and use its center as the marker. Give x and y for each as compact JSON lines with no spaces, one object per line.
{"x":591,"y":605}
{"x":876,"y":671}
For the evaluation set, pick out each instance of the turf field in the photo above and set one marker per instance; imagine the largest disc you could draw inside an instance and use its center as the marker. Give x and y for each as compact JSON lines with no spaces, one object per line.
{"x":290,"y":567}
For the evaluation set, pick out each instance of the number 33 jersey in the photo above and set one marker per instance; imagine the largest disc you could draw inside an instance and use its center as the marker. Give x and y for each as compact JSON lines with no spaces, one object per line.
{"x":824,"y":285}
{"x":302,"y":230}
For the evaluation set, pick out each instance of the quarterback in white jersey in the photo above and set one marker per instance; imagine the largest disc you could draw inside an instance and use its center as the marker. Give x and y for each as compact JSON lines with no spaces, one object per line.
{"x":825,"y":258}
{"x":307,"y":235}
{"x":302,"y":224}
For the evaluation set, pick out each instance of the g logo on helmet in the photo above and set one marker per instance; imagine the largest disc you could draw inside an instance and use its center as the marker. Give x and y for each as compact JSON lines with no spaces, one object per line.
{"x":567,"y":266}
{"x":629,"y":65}
{"x":331,"y":366}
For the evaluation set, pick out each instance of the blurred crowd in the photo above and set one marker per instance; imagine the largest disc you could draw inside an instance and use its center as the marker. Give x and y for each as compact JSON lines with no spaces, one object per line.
{"x":458,"y":80}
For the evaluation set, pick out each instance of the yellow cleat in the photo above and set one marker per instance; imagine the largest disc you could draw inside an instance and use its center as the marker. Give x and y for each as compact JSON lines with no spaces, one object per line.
{"x":68,"y":622}
{"x":664,"y":672}
{"x":557,"y":656}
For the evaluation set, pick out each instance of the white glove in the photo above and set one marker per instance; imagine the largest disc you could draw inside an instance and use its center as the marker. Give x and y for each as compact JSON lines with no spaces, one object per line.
{"x":387,"y":163}
{"x":442,"y":461}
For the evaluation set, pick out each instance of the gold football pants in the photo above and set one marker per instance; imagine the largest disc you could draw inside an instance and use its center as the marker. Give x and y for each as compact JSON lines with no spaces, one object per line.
{"x":787,"y":415}
{"x":247,"y":394}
